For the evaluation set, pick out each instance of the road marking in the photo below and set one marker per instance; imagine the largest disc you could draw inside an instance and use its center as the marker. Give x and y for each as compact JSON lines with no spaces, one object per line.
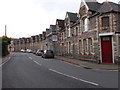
{"x":74,"y":77}
{"x":30,"y":58}
{"x":37,"y":63}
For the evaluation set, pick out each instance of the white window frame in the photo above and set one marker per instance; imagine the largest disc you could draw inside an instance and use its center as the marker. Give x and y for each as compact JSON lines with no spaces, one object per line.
{"x":90,"y":46}
{"x":85,"y":24}
{"x":68,"y":31}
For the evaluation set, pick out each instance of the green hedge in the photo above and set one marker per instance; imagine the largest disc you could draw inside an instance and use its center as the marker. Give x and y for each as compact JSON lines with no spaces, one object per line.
{"x":4,"y":49}
{"x":5,"y":43}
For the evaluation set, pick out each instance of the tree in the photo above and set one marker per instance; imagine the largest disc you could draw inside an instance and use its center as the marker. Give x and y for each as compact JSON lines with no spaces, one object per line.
{"x":5,"y":42}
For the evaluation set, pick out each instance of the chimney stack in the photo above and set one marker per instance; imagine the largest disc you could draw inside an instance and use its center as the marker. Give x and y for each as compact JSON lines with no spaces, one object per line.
{"x":6,"y":30}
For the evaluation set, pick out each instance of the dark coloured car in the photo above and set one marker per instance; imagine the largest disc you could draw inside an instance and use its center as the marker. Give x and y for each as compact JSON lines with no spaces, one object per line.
{"x":34,"y":51}
{"x":48,"y":54}
{"x":39,"y":52}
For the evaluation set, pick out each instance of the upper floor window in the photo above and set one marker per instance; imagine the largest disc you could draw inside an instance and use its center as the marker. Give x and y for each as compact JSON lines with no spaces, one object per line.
{"x":85,"y":24}
{"x":68,"y":31}
{"x":105,"y":22}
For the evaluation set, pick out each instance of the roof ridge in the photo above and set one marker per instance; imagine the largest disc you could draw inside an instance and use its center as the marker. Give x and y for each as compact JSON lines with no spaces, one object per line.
{"x":60,"y":19}
{"x":71,"y":12}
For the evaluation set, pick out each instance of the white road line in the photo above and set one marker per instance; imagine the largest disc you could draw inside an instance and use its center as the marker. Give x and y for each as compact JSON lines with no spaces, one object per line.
{"x":37,"y":63}
{"x":75,"y":77}
{"x":30,"y":58}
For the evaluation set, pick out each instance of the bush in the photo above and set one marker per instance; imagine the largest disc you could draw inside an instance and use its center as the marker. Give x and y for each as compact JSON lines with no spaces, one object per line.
{"x":5,"y":43}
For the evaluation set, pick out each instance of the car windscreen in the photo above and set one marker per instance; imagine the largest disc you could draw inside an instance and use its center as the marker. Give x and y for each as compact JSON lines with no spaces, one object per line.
{"x":49,"y":51}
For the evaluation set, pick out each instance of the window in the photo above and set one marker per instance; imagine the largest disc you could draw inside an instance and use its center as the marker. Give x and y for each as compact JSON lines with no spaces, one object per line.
{"x":85,"y":46}
{"x":90,"y":45}
{"x":119,"y":46}
{"x":69,"y":46}
{"x":76,"y":31}
{"x":61,"y":36}
{"x":68,"y":31}
{"x":85,"y":24}
{"x":80,"y":46}
{"x":105,"y":22}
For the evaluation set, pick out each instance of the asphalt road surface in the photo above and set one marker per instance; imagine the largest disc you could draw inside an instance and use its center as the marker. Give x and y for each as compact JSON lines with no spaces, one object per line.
{"x":25,"y":70}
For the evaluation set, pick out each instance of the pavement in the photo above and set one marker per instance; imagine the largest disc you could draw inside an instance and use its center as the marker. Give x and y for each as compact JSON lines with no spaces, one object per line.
{"x":5,"y":59}
{"x":89,"y":65}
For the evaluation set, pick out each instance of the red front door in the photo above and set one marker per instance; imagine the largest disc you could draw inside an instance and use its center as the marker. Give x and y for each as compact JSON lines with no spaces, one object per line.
{"x":106,"y":45}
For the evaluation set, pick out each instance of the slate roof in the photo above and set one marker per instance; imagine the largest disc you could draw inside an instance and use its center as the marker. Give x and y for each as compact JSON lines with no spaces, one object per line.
{"x":53,"y":26}
{"x":77,"y":22}
{"x":60,"y":23}
{"x":73,"y":17}
{"x":94,"y":6}
{"x":109,"y":7}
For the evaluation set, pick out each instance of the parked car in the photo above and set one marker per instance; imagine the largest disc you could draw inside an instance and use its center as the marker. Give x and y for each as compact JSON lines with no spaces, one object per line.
{"x":29,"y":51}
{"x":34,"y":51}
{"x":48,"y":54}
{"x":22,"y":50}
{"x":39,"y":52}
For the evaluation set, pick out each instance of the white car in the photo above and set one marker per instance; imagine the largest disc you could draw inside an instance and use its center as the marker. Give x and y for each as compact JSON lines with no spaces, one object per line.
{"x":22,"y":50}
{"x":29,"y":51}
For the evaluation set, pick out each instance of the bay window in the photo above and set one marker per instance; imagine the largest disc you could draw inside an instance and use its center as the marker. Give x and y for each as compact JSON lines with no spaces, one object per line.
{"x":85,"y":24}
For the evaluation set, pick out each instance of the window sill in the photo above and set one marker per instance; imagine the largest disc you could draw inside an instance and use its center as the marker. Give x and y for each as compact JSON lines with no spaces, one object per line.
{"x":87,"y":54}
{"x":81,"y":54}
{"x":91,"y":54}
{"x":84,"y":32}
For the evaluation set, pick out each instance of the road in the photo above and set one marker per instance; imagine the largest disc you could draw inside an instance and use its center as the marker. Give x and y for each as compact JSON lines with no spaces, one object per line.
{"x":25,"y":70}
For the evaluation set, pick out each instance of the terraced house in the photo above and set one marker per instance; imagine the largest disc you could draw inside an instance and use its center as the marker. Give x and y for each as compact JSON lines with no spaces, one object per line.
{"x":92,"y":34}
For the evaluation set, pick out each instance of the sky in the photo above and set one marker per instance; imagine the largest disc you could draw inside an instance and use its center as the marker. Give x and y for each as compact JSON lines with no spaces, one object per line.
{"x":25,"y":18}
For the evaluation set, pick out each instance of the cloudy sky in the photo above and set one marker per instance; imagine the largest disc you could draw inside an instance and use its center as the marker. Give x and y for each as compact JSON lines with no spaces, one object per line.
{"x":30,"y":17}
